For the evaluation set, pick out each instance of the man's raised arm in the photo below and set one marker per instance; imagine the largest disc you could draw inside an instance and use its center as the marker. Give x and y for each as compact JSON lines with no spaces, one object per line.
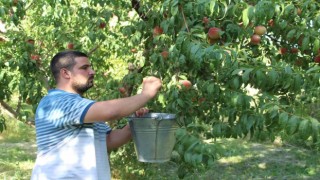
{"x":118,"y":108}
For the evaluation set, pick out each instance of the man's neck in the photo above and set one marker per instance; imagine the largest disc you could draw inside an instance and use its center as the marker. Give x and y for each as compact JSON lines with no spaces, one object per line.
{"x":67,"y":89}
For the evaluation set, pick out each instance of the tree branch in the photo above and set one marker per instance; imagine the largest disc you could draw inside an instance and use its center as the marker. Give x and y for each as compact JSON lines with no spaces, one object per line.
{"x":19,"y":104}
{"x":14,"y":113}
{"x":136,"y":6}
{"x":93,"y":50}
{"x":184,"y":18}
{"x":9,"y":108}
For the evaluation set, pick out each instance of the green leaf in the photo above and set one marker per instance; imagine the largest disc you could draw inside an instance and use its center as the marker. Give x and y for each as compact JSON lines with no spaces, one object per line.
{"x":2,"y":75}
{"x":216,"y":130}
{"x":188,"y":157}
{"x":236,"y":71}
{"x":250,"y":122}
{"x":283,"y":119}
{"x":272,"y":76}
{"x":316,"y":46}
{"x":180,"y":133}
{"x":246,"y":75}
{"x":305,"y":128}
{"x":225,"y":9}
{"x":289,"y":9}
{"x":291,"y":34}
{"x":283,"y":24}
{"x":181,"y":103}
{"x":297,"y":82}
{"x":261,"y":78}
{"x":235,"y":83}
{"x":196,"y":158}
{"x":288,"y":69}
{"x":317,"y":20}
{"x":161,"y":99}
{"x":293,"y":124}
{"x":315,"y":68}
{"x":305,"y":43}
{"x":195,"y":48}
{"x":194,"y":143}
{"x":210,"y":88}
{"x":240,"y":100}
{"x":251,"y":12}
{"x":315,"y":126}
{"x":175,"y":8}
{"x":245,"y":17}
{"x":212,"y":5}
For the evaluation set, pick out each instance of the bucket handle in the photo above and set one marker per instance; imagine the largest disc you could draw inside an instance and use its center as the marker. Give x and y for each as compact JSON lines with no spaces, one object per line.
{"x":158,"y":118}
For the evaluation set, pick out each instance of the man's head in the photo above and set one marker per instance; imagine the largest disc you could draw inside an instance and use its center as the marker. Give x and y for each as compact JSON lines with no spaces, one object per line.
{"x":72,"y":68}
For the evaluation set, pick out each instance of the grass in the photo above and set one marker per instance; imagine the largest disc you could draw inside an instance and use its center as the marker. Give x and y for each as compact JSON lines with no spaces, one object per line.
{"x":249,"y":160}
{"x":17,"y":150}
{"x":242,"y":159}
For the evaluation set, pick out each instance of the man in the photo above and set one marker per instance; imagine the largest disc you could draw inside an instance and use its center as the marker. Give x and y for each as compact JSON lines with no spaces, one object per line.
{"x":72,"y":136}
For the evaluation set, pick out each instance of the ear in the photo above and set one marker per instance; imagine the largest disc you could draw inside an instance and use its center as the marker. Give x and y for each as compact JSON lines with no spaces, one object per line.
{"x":64,"y":73}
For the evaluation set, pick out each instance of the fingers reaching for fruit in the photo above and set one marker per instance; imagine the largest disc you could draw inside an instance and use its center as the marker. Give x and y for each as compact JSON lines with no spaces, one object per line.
{"x":142,"y":112}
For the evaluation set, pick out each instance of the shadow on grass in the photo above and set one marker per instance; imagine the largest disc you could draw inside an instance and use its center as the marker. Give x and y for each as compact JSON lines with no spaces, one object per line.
{"x":241,"y":159}
{"x":248,"y":160}
{"x":16,"y":160}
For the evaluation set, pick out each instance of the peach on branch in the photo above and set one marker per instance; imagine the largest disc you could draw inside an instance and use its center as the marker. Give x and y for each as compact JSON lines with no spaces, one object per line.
{"x":134,"y":50}
{"x":157,"y":31}
{"x":260,"y":30}
{"x":298,"y":62}
{"x":271,"y":22}
{"x":255,"y":39}
{"x":186,"y":83}
{"x":15,"y":2}
{"x":70,"y":45}
{"x":294,"y":50}
{"x":317,"y":59}
{"x":214,"y":33}
{"x":35,"y":57}
{"x":30,"y":41}
{"x":102,"y":25}
{"x":165,"y":54}
{"x":201,"y":100}
{"x":283,"y":50}
{"x":2,"y":39}
{"x":300,"y":40}
{"x":122,"y":90}
{"x":299,"y":11}
{"x":205,"y":20}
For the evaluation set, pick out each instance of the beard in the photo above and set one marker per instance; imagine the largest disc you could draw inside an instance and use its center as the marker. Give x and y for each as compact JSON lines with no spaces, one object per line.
{"x":83,"y":87}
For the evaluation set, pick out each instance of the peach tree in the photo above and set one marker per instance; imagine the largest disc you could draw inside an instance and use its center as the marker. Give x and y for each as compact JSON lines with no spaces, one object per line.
{"x":230,"y":68}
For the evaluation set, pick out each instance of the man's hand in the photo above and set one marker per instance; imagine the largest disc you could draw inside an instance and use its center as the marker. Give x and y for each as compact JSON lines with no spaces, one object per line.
{"x":142,"y":112}
{"x":151,"y":86}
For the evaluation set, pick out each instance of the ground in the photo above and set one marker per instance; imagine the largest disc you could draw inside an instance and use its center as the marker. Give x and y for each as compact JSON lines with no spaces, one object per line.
{"x":241,"y":159}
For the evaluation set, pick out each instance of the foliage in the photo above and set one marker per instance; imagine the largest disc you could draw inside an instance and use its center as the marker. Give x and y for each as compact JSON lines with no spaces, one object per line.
{"x":240,"y":88}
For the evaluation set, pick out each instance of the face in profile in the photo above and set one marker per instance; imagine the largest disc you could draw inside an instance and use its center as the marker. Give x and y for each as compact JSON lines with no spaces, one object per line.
{"x":82,"y":75}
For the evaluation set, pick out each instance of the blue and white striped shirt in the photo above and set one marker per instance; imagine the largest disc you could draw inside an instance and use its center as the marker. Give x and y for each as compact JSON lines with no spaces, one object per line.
{"x":67,"y":147}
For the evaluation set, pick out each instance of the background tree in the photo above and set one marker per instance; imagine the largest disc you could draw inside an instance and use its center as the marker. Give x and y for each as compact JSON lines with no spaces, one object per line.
{"x":230,"y":68}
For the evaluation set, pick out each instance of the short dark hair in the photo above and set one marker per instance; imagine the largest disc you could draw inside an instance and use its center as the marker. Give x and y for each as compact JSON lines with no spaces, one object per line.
{"x":64,"y":59}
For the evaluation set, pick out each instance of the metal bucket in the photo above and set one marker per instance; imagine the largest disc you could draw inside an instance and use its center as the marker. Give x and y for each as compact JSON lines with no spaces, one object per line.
{"x":153,"y":136}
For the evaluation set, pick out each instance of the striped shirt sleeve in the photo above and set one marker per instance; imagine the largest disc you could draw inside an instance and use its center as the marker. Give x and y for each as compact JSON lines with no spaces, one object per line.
{"x":64,"y":109}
